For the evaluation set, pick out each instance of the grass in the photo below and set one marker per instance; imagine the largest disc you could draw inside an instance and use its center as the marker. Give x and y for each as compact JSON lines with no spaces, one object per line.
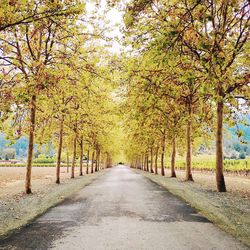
{"x":36,"y":165}
{"x":20,"y":210}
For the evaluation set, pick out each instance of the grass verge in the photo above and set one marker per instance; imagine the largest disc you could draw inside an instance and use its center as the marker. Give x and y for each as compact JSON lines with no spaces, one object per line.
{"x":229,"y":211}
{"x":22,"y":209}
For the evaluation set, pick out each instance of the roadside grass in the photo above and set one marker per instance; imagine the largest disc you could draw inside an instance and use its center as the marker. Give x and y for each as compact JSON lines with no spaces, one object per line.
{"x":227,"y":210}
{"x":20,"y":210}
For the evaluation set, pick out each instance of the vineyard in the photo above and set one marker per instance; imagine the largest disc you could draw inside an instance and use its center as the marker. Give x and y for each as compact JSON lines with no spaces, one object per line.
{"x":199,"y":163}
{"x":208,"y":163}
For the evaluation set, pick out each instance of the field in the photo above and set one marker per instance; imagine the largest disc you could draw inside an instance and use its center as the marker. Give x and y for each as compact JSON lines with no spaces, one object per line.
{"x":207,"y":162}
{"x":17,"y":209}
{"x":34,"y":165}
{"x":237,"y":185}
{"x":199,"y":162}
{"x":12,"y":179}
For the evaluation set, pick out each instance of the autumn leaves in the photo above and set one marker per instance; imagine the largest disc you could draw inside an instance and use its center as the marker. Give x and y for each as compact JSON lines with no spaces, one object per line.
{"x":57,"y":86}
{"x":190,"y":71}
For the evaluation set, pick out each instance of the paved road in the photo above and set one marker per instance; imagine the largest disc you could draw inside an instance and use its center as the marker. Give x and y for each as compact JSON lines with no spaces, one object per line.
{"x":121,"y":210}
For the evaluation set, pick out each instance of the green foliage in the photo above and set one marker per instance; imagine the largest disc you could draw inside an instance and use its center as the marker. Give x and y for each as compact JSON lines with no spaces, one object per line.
{"x":43,"y":159}
{"x":186,"y":60}
{"x":209,"y":164}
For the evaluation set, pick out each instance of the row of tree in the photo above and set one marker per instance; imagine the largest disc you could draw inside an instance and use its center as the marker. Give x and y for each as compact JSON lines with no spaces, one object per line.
{"x":54,"y":82}
{"x":188,"y":74}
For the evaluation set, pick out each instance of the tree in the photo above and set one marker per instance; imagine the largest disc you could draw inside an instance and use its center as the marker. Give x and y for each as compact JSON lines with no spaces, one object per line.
{"x":213,"y":34}
{"x":216,"y":35}
{"x":30,"y":56}
{"x":17,"y":13}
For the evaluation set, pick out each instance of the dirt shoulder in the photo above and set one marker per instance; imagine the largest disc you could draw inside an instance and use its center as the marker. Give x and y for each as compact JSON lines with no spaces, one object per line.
{"x":238,"y":185}
{"x":230,"y":211}
{"x":18,"y":209}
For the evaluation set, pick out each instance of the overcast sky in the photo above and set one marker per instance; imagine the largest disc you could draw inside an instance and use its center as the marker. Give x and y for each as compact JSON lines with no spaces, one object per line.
{"x":114,"y":16}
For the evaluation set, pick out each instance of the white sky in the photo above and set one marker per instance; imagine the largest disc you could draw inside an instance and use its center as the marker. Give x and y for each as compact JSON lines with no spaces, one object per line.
{"x":115,"y":19}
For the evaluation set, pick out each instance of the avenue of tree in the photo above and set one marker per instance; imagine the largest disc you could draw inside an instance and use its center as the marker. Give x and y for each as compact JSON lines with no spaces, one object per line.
{"x":55,"y":86}
{"x":188,"y":75}
{"x":184,"y":72}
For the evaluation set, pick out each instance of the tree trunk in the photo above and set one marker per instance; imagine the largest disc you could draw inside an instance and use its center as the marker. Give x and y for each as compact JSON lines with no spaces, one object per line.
{"x":138,"y":162}
{"x":59,"y":153}
{"x":67,"y":162}
{"x":221,"y":186}
{"x":74,"y":158}
{"x":107,"y":160}
{"x":92,"y":162}
{"x":151,"y":160}
{"x":99,"y":160}
{"x":173,"y":174}
{"x":31,"y":145}
{"x":81,"y":156}
{"x":146,"y":162}
{"x":156,"y":160}
{"x":87,"y":168}
{"x":189,"y":176}
{"x":110,"y":161}
{"x":96,"y":159}
{"x":143,"y":163}
{"x":163,"y":153}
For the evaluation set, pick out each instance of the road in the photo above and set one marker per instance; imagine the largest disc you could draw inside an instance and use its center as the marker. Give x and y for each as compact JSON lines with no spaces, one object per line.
{"x":118,"y":211}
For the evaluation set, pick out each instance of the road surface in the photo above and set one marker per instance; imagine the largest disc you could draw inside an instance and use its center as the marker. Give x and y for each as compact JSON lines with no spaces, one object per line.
{"x":121,"y":210}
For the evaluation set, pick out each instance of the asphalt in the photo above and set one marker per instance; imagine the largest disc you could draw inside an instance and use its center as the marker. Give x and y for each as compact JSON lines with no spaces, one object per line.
{"x":121,"y":210}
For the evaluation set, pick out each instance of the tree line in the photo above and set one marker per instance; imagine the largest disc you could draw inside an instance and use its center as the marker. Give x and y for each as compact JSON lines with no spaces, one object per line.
{"x":55,"y":84}
{"x":188,"y":74}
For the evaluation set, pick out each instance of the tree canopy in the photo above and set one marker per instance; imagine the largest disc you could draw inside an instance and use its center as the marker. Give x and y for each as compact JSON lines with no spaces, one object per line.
{"x":182,"y":73}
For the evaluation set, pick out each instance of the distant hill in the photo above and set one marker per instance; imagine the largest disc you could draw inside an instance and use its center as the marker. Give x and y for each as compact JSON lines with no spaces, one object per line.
{"x":231,"y":143}
{"x":20,"y":145}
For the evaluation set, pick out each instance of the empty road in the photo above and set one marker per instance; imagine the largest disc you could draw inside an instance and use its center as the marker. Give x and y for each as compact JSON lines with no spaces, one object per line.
{"x":121,"y":210}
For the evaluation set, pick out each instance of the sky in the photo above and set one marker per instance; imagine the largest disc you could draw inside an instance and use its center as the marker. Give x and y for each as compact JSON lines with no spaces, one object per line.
{"x":115,"y":19}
